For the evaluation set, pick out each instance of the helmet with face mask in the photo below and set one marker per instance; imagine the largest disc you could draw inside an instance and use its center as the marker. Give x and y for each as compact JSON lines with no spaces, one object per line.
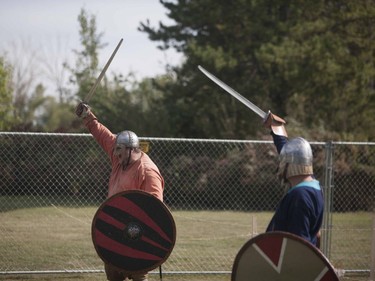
{"x":128,"y":139}
{"x":295,"y":159}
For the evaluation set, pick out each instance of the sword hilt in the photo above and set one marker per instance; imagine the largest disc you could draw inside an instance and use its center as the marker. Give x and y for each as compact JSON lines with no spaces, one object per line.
{"x":275,"y":123}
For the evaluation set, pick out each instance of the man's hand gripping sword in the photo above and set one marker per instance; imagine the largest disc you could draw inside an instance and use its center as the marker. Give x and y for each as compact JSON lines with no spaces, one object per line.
{"x":83,"y":106}
{"x":272,"y":121}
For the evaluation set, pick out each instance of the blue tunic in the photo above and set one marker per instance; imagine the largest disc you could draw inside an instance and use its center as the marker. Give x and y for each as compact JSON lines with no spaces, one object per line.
{"x":301,"y":209}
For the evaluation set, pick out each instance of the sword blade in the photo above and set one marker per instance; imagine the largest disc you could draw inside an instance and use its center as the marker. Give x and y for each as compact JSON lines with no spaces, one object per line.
{"x":235,"y":94}
{"x":101,"y":75}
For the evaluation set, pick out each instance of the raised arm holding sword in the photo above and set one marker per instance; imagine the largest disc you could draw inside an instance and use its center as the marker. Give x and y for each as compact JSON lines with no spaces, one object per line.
{"x":301,"y":209}
{"x":132,"y":170}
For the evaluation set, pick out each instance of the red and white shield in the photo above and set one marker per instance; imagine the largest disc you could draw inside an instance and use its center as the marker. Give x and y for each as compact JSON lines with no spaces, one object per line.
{"x":281,"y":256}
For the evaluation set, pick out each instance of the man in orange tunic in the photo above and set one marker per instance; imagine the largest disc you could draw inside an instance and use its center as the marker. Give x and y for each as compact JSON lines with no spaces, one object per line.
{"x":132,"y":169}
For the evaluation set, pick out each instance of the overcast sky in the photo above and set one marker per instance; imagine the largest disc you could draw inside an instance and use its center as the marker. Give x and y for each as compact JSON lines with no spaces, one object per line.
{"x":50,"y":28}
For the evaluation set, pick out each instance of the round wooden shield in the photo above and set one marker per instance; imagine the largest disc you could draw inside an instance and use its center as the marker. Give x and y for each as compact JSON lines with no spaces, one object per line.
{"x":133,"y":231}
{"x":281,"y":256}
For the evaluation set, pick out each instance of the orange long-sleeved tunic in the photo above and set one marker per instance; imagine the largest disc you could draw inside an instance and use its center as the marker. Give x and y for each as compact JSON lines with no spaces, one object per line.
{"x":143,"y":174}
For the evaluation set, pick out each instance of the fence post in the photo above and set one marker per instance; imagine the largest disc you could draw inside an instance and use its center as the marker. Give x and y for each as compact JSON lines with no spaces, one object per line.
{"x":327,"y":191}
{"x":372,"y":265}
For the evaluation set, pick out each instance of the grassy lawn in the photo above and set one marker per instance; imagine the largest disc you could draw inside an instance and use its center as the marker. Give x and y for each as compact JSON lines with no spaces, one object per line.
{"x":56,"y":237}
{"x":101,"y":277}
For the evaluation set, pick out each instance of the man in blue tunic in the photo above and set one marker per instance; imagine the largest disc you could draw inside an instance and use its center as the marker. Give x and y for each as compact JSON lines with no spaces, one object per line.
{"x":300,"y":211}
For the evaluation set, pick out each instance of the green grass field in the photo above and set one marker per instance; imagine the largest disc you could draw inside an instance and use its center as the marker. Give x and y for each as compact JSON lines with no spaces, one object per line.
{"x":59,"y":238}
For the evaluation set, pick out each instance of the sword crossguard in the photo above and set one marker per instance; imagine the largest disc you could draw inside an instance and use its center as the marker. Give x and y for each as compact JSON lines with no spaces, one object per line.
{"x":273,"y":119}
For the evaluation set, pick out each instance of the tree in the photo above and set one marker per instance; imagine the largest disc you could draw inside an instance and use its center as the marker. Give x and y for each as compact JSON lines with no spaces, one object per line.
{"x":328,"y":58}
{"x":24,"y":72}
{"x":152,"y":117}
{"x":311,"y":62}
{"x":120,"y":102}
{"x":28,"y":106}
{"x":205,"y":32}
{"x":5,"y":95}
{"x":86,"y":69}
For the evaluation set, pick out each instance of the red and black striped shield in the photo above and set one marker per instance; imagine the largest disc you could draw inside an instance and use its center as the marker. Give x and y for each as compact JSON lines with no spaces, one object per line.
{"x":133,"y":231}
{"x":281,"y":256}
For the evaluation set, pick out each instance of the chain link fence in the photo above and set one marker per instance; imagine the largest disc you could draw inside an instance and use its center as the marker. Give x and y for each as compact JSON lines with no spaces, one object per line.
{"x":220,"y":192}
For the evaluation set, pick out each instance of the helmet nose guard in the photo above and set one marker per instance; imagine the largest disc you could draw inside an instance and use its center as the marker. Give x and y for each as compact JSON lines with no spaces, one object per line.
{"x":127,"y":138}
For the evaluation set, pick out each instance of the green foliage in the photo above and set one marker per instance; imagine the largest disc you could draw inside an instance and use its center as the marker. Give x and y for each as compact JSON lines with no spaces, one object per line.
{"x":148,"y":115}
{"x":5,"y":95}
{"x":56,"y":117}
{"x":311,"y":62}
{"x":27,"y":108}
{"x":86,"y":69}
{"x":120,"y":102}
{"x":328,"y":58}
{"x":38,"y":112}
{"x":24,"y":103}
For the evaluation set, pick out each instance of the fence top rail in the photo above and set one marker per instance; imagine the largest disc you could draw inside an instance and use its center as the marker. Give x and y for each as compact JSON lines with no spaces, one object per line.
{"x":142,"y":138}
{"x":179,"y":139}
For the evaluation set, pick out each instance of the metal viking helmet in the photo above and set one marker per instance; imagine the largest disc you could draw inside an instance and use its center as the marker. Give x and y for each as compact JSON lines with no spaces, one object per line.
{"x":296,"y":158}
{"x":128,"y":138}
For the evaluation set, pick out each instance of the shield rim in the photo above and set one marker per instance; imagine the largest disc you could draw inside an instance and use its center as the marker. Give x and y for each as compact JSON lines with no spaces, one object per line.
{"x":167,"y":211}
